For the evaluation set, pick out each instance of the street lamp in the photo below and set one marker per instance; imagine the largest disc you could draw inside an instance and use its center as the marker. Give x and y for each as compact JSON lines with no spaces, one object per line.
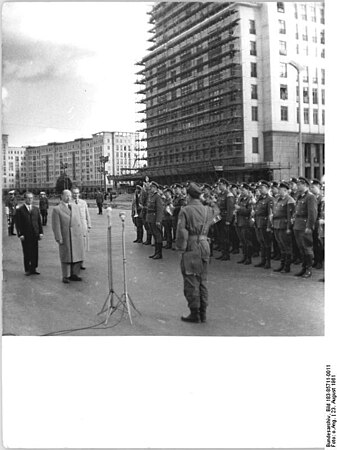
{"x":64,"y":166}
{"x":299,"y":69}
{"x":103,"y":160}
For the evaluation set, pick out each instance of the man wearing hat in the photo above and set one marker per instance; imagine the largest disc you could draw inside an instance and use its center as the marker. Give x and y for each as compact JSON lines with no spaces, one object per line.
{"x":243,"y":210}
{"x":304,"y":223}
{"x":10,"y":208}
{"x":178,"y":201}
{"x":194,"y":221}
{"x":136,"y":214}
{"x":43,"y":206}
{"x":263,"y":214}
{"x":167,"y":216}
{"x":154,"y":218}
{"x":226,"y":203}
{"x":282,"y":214}
{"x":144,"y":197}
{"x":315,"y":188}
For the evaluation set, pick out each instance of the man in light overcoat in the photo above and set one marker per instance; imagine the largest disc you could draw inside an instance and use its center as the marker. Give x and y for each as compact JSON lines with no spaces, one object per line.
{"x":67,"y":229}
{"x":85,"y":218}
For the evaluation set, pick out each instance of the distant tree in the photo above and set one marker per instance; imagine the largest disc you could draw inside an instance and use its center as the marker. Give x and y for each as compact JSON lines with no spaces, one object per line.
{"x":63,"y":182}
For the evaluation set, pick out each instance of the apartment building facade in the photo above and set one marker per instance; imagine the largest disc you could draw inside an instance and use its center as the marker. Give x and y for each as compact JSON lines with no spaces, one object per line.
{"x":81,"y":160}
{"x":220,"y":95}
{"x":13,"y":165}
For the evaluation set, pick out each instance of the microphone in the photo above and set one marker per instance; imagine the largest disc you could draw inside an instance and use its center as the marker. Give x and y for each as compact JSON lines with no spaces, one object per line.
{"x":122,"y":216}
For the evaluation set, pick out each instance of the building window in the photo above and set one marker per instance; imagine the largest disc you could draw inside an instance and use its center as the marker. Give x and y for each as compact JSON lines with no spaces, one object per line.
{"x":323,"y":37}
{"x":253,"y":48}
{"x":323,"y":96}
{"x":284,"y":113}
{"x":323,"y":53}
{"x":254,"y":113}
{"x":306,"y":115}
{"x":322,"y":15}
{"x":323,"y":76}
{"x":284,"y":92}
{"x":282,"y":26}
{"x":297,"y":33}
{"x":313,"y":13}
{"x":315,"y":77}
{"x":283,"y":48}
{"x":315,"y":96}
{"x":280,"y":7}
{"x":305,"y":95}
{"x":304,"y":11}
{"x":315,"y":116}
{"x":295,"y":11}
{"x":323,"y":116}
{"x":314,"y":37}
{"x":305,"y":34}
{"x":255,"y":144}
{"x":283,"y":70}
{"x":253,"y":70}
{"x":306,"y":74}
{"x":252,"y":29}
{"x":254,"y":91}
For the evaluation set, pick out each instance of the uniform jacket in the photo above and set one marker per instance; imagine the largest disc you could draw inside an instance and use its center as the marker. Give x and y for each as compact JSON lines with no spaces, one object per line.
{"x":168,"y":210}
{"x":243,"y":214}
{"x":28,"y":224}
{"x":194,"y":221}
{"x":226,"y":202}
{"x":10,"y":206}
{"x":305,"y":211}
{"x":84,"y":215}
{"x":67,"y":227}
{"x":43,"y":204}
{"x":99,"y":198}
{"x":283,"y":212}
{"x":154,"y":208}
{"x":178,"y":202}
{"x":263,"y":210}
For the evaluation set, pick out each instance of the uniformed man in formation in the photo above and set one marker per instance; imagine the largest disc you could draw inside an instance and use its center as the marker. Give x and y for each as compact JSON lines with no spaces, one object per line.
{"x":280,"y":221}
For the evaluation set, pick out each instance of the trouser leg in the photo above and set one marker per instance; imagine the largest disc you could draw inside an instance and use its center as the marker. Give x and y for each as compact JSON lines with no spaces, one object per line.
{"x":66,"y":269}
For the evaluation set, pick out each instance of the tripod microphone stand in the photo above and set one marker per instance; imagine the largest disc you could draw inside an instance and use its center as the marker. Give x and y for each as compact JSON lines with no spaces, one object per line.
{"x":109,"y":305}
{"x":126,"y":299}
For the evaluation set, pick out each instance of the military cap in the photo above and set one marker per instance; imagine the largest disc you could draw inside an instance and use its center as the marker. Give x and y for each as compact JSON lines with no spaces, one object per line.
{"x":303,"y":180}
{"x":244,"y":185}
{"x":315,"y":181}
{"x":205,"y":185}
{"x":153,"y":183}
{"x":284,"y":184}
{"x":263,"y":183}
{"x":223,"y":181}
{"x":293,"y":180}
{"x":178,"y":185}
{"x":160,"y":187}
{"x":11,"y":192}
{"x":168,"y":190}
{"x":274,"y":184}
{"x":252,"y":186}
{"x":194,"y":190}
{"x":233,"y":185}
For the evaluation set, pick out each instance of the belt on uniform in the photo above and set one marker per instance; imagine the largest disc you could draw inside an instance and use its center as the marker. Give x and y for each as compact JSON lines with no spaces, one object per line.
{"x":197,"y":237}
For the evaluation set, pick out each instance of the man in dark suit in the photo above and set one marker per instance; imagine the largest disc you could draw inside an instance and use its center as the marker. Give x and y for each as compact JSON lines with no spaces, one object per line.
{"x":29,"y":228}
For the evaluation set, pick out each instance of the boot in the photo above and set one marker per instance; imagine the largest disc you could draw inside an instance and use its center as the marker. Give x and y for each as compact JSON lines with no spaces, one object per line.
{"x":225,"y":257}
{"x":155,"y":252}
{"x":282,"y":265}
{"x":194,"y":317}
{"x":287,"y":264}
{"x":148,"y":239}
{"x":308,"y":271}
{"x":263,"y":259}
{"x":242,"y":261}
{"x":268,"y":258}
{"x":303,"y":270}
{"x":248,"y":261}
{"x":202,"y":312}
{"x":158,"y":254}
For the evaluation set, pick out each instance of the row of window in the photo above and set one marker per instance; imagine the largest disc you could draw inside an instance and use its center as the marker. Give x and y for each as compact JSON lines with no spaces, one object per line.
{"x":284,"y":115}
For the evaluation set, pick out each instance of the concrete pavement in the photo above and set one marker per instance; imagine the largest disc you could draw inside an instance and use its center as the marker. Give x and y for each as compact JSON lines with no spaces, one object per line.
{"x":244,"y":301}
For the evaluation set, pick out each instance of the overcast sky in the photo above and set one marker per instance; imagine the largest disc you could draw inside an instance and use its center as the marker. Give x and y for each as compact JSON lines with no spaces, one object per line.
{"x":69,"y":69}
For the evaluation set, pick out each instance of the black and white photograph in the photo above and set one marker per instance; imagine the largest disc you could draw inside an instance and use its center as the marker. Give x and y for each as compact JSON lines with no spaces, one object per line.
{"x":163,"y":225}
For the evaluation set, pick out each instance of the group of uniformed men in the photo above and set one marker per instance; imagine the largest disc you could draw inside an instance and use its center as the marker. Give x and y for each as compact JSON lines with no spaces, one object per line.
{"x":274,"y":220}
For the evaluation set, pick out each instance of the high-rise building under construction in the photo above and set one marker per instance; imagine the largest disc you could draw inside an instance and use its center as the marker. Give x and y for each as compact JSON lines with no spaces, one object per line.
{"x":222,"y":94}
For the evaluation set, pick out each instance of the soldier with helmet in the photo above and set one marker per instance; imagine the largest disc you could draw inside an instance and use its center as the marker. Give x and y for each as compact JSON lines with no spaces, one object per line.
{"x":304,"y":223}
{"x":282,"y":214}
{"x":263,"y":214}
{"x":11,"y":205}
